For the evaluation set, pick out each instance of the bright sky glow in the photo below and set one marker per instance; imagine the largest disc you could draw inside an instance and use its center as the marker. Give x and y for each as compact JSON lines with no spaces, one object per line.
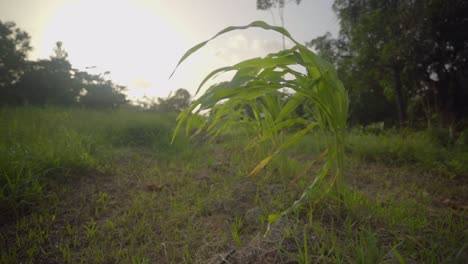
{"x":140,"y":41}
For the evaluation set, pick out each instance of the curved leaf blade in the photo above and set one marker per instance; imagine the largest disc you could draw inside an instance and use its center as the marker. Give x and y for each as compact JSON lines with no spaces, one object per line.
{"x":255,"y":24}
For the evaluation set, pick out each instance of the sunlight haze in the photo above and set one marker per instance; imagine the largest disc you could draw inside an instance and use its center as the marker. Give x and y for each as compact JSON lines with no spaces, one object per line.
{"x":141,"y":41}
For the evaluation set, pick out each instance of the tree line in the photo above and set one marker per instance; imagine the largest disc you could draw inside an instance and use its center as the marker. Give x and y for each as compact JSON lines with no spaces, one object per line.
{"x":54,"y":81}
{"x":403,"y":62}
{"x":51,"y":81}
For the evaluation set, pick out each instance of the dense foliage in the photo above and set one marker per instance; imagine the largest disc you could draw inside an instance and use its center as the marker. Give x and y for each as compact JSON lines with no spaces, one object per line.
{"x":50,"y":81}
{"x":401,"y":60}
{"x":107,"y":186}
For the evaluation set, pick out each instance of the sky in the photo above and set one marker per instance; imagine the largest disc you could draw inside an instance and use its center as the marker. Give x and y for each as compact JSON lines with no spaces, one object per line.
{"x":141,"y":41}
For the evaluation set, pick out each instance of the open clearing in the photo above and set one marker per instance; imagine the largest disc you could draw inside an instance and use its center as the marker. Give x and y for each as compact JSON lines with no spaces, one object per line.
{"x":136,"y":204}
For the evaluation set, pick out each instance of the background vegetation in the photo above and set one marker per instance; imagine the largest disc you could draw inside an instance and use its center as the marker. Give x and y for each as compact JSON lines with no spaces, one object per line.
{"x":404,"y":62}
{"x":107,"y":186}
{"x":87,"y":177}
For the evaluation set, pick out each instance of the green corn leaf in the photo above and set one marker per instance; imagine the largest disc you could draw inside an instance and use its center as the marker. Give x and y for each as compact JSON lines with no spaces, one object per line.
{"x":190,"y":122}
{"x":247,"y":69}
{"x":182,"y":118}
{"x":287,"y":123}
{"x":266,"y":62}
{"x":272,"y":74}
{"x":257,"y":86}
{"x":293,"y":139}
{"x":258,"y":24}
{"x":293,"y":102}
{"x":261,"y":165}
{"x":285,"y":145}
{"x":244,"y":75}
{"x":274,"y":217}
{"x":211,"y":74}
{"x":221,"y":92}
{"x":324,"y":171}
{"x":399,"y":257}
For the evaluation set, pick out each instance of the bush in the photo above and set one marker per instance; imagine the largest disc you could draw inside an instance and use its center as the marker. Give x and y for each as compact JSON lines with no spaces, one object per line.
{"x":462,"y":140}
{"x":440,"y":136}
{"x":409,"y":147}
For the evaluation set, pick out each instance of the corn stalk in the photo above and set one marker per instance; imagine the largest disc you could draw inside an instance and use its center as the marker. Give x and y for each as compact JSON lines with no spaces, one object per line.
{"x":258,"y":83}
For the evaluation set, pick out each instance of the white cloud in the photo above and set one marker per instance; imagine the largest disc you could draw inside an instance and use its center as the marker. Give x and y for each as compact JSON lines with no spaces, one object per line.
{"x":239,"y":47}
{"x":141,"y":84}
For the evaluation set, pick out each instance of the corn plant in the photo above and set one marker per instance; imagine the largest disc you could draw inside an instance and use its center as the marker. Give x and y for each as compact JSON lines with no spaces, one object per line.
{"x":258,"y":84}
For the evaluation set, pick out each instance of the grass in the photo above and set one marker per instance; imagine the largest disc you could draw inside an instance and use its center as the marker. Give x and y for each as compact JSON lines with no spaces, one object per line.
{"x":410,"y":147}
{"x":105,"y":187}
{"x":38,"y":145}
{"x":395,"y":148}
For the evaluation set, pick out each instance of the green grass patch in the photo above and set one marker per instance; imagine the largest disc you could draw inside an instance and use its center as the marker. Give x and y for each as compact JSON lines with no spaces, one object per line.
{"x":37,"y":144}
{"x":410,"y":148}
{"x":107,"y":187}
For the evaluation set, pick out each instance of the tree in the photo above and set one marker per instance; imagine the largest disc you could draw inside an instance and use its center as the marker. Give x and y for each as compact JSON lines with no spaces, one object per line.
{"x":14,"y":46}
{"x":443,"y":57}
{"x":278,"y":4}
{"x":379,"y":39}
{"x":367,"y":91}
{"x":181,"y":99}
{"x":174,"y":103}
{"x":405,"y":51}
{"x":97,"y":92}
{"x":49,"y":81}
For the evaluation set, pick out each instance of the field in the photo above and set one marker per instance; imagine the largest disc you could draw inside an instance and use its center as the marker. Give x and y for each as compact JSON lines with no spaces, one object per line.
{"x":87,"y":186}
